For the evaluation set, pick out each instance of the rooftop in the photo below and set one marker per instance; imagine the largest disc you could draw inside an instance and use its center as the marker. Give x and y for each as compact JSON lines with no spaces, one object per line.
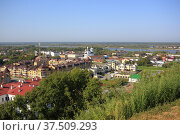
{"x":135,"y":76}
{"x":19,"y":88}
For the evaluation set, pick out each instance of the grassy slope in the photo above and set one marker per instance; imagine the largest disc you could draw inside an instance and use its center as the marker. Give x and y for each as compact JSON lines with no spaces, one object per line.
{"x":169,"y":111}
{"x":151,"y":68}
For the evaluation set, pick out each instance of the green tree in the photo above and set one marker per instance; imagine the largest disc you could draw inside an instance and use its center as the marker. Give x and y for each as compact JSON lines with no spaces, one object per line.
{"x":9,"y":112}
{"x":1,"y":62}
{"x":60,"y":95}
{"x":144,"y":62}
{"x":93,"y":92}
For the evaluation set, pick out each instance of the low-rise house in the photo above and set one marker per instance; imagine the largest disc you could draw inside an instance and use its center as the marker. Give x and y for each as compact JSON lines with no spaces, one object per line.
{"x":98,"y":69}
{"x":123,"y":67}
{"x":74,"y":55}
{"x":134,"y":78}
{"x":50,"y":53}
{"x":149,"y":54}
{"x":124,"y":60}
{"x":96,"y":57}
{"x":120,"y":75}
{"x":63,"y":56}
{"x":10,"y":90}
{"x":157,"y":63}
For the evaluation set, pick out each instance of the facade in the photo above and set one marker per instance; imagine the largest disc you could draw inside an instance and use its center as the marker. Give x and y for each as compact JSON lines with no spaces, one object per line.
{"x":26,"y":71}
{"x":40,"y":72}
{"x":50,"y":53}
{"x":119,"y":75}
{"x":123,"y":67}
{"x":88,"y":52}
{"x":41,"y":67}
{"x":74,"y":55}
{"x":63,"y":56}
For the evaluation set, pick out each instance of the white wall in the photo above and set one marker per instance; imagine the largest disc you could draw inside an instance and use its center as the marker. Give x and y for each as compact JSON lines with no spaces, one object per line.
{"x":132,"y":80}
{"x":3,"y":98}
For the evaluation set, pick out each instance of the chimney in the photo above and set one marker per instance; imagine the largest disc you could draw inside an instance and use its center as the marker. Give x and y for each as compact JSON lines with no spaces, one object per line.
{"x":1,"y":86}
{"x":19,"y":86}
{"x":32,"y":79}
{"x":19,"y":80}
{"x":12,"y":87}
{"x":19,"y":90}
{"x":29,"y":85}
{"x":33,"y":85}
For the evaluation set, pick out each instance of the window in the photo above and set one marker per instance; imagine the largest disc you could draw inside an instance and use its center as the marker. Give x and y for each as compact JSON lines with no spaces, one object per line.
{"x":7,"y":98}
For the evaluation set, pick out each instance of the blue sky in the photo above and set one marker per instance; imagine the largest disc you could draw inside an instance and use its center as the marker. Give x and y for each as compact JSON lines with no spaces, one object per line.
{"x":89,"y":20}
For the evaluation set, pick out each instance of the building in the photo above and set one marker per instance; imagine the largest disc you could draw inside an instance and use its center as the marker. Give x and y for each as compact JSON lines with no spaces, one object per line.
{"x":10,"y":90}
{"x":96,"y":57}
{"x":74,"y":55}
{"x":120,"y":75}
{"x":50,"y":53}
{"x":88,"y":52}
{"x":26,"y":71}
{"x":63,"y":56}
{"x":54,"y":54}
{"x":41,"y":71}
{"x":124,"y":60}
{"x":42,"y":67}
{"x":123,"y":67}
{"x":134,"y":78}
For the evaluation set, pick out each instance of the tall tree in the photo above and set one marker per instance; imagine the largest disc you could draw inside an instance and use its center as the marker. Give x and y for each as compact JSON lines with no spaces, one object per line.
{"x":93,"y":92}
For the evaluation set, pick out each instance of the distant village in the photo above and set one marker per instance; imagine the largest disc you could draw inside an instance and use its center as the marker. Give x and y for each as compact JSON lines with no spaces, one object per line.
{"x":28,"y":73}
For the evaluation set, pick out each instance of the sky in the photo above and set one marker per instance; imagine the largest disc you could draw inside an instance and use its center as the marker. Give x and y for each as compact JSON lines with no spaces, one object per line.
{"x":89,"y":20}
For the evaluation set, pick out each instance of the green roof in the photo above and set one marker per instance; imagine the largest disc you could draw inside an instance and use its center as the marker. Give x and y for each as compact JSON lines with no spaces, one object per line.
{"x":134,"y":76}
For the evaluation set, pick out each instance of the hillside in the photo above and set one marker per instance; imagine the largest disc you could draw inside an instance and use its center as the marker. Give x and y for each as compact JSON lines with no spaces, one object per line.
{"x":169,"y":111}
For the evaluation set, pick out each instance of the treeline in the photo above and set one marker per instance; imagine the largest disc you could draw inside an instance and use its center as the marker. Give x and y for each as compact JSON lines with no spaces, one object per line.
{"x":15,"y":57}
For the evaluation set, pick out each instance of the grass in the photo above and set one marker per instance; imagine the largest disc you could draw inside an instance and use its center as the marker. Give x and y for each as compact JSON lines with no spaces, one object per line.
{"x":115,"y":83}
{"x":168,"y":111}
{"x":151,"y":91}
{"x":150,"y":68}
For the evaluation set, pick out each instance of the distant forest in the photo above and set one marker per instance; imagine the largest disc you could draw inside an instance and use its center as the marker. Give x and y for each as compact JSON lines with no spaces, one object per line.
{"x":99,"y":44}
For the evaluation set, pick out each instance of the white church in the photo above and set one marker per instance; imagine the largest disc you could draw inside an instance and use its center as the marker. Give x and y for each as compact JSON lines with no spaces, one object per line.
{"x":88,"y":52}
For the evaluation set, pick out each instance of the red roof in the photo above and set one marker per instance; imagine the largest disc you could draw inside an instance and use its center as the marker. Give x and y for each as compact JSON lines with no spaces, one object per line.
{"x":115,"y":58}
{"x":24,"y":87}
{"x":98,"y":60}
